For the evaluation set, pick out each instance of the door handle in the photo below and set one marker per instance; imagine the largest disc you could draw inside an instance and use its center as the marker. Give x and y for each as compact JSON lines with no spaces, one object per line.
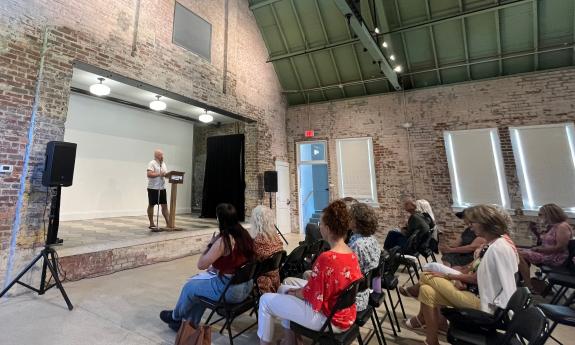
{"x":288,"y":201}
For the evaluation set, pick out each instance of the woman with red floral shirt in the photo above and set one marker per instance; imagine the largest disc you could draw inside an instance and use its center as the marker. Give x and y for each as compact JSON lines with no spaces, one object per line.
{"x":309,"y":302}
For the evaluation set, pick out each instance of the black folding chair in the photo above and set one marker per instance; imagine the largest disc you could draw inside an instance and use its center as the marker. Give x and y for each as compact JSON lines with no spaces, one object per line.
{"x":378,"y":298}
{"x":559,"y":314}
{"x":390,"y":282}
{"x":268,"y":265}
{"x":313,"y":252}
{"x":229,"y":311}
{"x":370,"y":313}
{"x":293,"y":265}
{"x":326,"y":335}
{"x":477,"y":321}
{"x":409,"y":255}
{"x":529,"y":326}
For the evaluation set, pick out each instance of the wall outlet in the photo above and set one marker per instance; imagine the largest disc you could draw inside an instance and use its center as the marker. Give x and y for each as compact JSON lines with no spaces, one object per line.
{"x":6,"y":169}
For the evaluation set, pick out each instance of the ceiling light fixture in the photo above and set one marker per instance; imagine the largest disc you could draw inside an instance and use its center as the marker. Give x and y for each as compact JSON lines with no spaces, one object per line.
{"x":206,"y":118}
{"x":384,"y":44}
{"x":392,"y":57}
{"x":157,"y":105}
{"x":398,"y":69}
{"x":376,"y":30}
{"x":100,"y":89}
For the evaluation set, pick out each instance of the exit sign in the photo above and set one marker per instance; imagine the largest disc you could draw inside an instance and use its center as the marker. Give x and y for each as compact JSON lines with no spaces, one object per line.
{"x":309,"y":134}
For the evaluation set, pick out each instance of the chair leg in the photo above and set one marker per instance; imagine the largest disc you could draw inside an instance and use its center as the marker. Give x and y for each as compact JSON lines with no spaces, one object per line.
{"x":359,"y":340}
{"x":419,"y":262}
{"x":408,"y":267}
{"x":400,"y":303}
{"x":392,"y":305}
{"x":433,"y":257}
{"x":229,"y":322}
{"x":377,"y":329}
{"x":387,"y":315}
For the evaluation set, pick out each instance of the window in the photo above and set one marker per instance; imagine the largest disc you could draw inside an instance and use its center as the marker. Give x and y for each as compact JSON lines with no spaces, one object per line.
{"x":312,"y":152}
{"x":192,"y":32}
{"x":545,"y":161}
{"x":356,"y":169}
{"x":476,"y":167}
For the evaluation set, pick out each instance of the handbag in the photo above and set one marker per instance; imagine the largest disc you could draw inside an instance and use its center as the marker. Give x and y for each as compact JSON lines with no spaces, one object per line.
{"x":190,"y":335}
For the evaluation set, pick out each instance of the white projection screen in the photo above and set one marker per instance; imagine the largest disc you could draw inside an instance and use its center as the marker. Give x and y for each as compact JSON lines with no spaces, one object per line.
{"x":115,"y":144}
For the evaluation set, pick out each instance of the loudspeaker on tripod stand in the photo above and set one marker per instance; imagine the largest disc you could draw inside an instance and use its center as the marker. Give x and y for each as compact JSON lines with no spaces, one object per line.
{"x":270,"y":181}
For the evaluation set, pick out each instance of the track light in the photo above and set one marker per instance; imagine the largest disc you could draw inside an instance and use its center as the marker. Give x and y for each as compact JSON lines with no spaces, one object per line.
{"x":376,"y":30}
{"x":157,"y":105}
{"x":100,"y":89}
{"x":384,"y":44}
{"x":398,"y":69}
{"x":206,"y":118}
{"x":392,"y":57}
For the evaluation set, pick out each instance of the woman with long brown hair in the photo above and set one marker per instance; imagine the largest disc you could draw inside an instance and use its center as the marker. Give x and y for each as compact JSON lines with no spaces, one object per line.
{"x":554,"y":238}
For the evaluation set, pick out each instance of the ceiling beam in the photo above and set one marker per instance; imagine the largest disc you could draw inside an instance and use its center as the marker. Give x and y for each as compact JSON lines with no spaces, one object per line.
{"x":386,"y":33}
{"x":326,"y":38}
{"x":368,"y":42}
{"x":262,"y":4}
{"x":284,"y":40}
{"x":447,"y":66}
{"x":498,"y":33}
{"x":304,"y":38}
{"x":465,"y":46}
{"x":432,"y":37}
{"x":535,"y":34}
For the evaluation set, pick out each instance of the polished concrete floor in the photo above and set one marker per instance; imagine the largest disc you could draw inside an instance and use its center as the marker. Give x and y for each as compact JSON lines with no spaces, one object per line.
{"x":123,"y":309}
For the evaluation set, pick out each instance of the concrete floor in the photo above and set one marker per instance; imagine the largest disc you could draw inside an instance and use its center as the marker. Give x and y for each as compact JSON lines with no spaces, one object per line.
{"x":123,"y":309}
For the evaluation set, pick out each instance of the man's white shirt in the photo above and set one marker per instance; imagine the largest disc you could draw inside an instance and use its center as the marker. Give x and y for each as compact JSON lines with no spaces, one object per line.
{"x":157,"y":182}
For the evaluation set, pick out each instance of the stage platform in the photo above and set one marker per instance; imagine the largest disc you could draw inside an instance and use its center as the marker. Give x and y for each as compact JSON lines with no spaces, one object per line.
{"x":102,"y":246}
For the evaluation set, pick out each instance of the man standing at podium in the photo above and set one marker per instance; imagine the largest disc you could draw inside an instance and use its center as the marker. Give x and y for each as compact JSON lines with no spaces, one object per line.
{"x":157,"y":172}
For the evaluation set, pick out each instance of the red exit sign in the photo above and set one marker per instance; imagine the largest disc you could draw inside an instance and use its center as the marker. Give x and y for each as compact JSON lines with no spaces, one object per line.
{"x":309,"y":134}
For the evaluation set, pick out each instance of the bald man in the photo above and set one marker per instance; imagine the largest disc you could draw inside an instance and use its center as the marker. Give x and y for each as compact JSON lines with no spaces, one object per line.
{"x":156,"y":173}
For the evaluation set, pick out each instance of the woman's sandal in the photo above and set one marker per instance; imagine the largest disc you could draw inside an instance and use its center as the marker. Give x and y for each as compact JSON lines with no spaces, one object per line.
{"x":409,"y":324}
{"x":405,"y":292}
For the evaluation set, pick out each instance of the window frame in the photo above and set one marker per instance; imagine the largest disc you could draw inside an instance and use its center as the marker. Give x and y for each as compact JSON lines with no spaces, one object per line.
{"x":458,"y":203}
{"x":373,"y":201}
{"x":528,"y":206}
{"x":207,"y":58}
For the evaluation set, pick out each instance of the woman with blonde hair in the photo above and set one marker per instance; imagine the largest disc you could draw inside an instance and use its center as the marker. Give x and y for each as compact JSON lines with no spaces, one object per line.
{"x":555,"y":237}
{"x":266,"y":243}
{"x":492,"y":272}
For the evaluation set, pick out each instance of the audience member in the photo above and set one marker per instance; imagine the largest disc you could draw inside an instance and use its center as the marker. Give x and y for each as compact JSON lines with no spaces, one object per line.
{"x":266,"y":243}
{"x":461,"y":254}
{"x":424,"y":208}
{"x":493,"y":272}
{"x":416,"y":225}
{"x":364,"y":245}
{"x":555,"y":237}
{"x":226,"y":252}
{"x":310,"y":302}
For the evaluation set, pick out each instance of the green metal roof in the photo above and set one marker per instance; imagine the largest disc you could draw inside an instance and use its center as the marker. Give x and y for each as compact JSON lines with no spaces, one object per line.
{"x":317,"y":57}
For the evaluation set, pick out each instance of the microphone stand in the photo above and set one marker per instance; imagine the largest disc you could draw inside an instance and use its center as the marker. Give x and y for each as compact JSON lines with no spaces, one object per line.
{"x":159,"y":192}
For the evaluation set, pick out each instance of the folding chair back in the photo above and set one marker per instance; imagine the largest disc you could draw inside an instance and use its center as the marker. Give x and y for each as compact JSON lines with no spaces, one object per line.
{"x":270,"y":264}
{"x":529,"y":326}
{"x":244,"y":274}
{"x":292,"y":266}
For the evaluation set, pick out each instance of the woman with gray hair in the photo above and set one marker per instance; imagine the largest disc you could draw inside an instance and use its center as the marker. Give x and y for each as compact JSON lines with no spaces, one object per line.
{"x":266,"y":243}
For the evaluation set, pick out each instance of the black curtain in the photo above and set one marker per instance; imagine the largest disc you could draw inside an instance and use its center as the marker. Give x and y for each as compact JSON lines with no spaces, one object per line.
{"x":224,"y":176}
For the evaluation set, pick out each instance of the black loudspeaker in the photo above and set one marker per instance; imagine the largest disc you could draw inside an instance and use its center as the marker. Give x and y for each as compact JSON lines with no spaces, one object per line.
{"x":270,"y":181}
{"x":60,"y":160}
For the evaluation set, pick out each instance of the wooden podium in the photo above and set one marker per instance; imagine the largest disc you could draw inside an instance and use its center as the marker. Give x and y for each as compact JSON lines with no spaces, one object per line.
{"x":174,"y":178}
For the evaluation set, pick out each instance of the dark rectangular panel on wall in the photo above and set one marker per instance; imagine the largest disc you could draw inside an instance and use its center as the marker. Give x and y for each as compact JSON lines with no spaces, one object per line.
{"x":192,"y":32}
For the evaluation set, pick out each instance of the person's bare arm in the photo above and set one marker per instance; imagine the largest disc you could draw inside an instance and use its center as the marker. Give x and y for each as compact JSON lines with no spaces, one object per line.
{"x":210,"y":256}
{"x":470,"y":248}
{"x":561,"y":241}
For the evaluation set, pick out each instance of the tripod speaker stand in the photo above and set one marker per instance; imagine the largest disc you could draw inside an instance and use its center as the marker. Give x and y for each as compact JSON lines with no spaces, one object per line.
{"x":58,"y":173}
{"x":271,"y":186}
{"x":49,"y":256}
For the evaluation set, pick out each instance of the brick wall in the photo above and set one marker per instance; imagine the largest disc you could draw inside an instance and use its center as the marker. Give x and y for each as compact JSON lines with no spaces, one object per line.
{"x":97,"y":33}
{"x":532,"y":99}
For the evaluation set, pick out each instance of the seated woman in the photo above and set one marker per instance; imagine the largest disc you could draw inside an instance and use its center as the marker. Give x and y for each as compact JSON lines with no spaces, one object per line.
{"x":554,"y":242}
{"x":493,"y":272}
{"x":310,"y":302}
{"x":416,"y":225}
{"x":364,"y":245}
{"x":461,"y":254}
{"x":266,"y":243}
{"x":226,"y":252}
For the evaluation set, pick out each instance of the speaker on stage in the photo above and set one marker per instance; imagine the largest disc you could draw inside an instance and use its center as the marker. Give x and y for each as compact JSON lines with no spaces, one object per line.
{"x":60,"y":160}
{"x":271,"y":181}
